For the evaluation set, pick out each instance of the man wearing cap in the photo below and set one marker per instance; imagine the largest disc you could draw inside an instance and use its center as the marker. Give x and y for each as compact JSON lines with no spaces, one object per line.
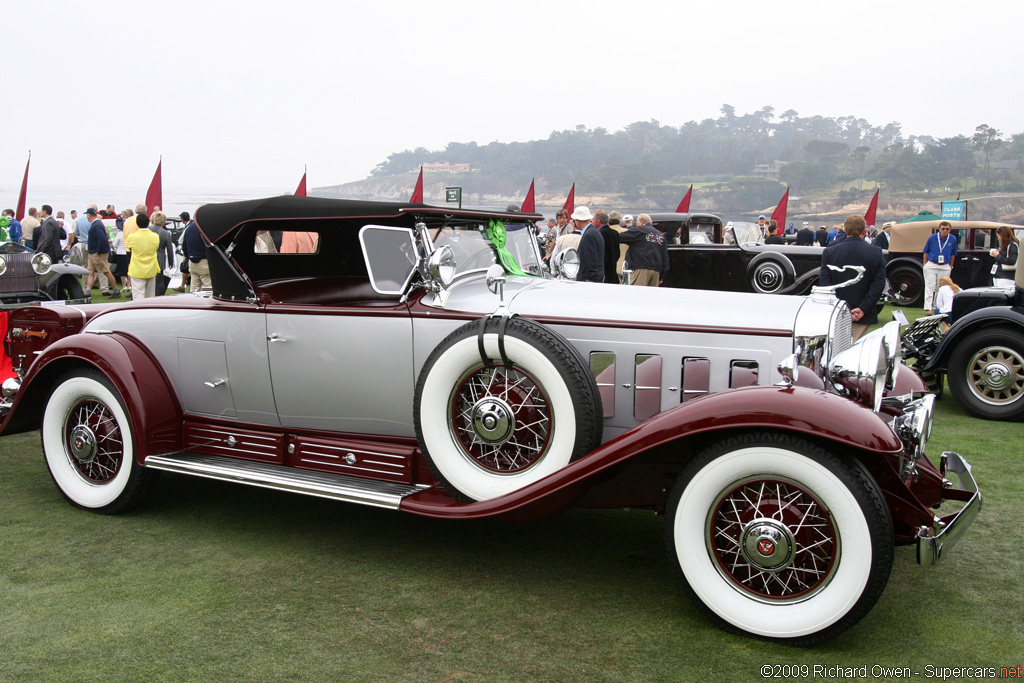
{"x":591,"y":247}
{"x":98,"y":246}
{"x":805,"y":236}
{"x":882,"y":239}
{"x":627,"y":221}
{"x":762,"y":225}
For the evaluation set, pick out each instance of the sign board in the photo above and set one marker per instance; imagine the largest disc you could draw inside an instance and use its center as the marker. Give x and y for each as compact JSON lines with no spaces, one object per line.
{"x":453,"y":194}
{"x":955,"y":211}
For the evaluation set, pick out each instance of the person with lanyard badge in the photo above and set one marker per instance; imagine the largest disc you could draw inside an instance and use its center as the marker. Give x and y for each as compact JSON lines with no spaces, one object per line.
{"x":939,"y":254}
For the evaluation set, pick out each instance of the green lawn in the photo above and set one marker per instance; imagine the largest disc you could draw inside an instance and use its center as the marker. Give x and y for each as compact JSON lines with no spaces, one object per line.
{"x":211,"y":581}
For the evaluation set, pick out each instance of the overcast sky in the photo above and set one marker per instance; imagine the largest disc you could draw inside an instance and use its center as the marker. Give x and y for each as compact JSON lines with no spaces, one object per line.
{"x":244,"y":94}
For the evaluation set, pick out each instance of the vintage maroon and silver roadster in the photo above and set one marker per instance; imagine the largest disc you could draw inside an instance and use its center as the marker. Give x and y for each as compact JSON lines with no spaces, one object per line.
{"x":411,"y":357}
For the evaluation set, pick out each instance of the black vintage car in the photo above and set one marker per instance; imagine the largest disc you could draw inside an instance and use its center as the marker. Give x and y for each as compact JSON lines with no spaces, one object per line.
{"x":982,"y":354}
{"x":704,"y":254}
{"x":28,"y":277}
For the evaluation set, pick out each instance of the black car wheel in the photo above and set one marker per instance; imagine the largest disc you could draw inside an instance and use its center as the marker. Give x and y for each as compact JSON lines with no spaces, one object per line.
{"x":773,"y":536}
{"x":68,"y":287}
{"x":487,"y":430}
{"x":907,"y":284}
{"x":986,"y":373}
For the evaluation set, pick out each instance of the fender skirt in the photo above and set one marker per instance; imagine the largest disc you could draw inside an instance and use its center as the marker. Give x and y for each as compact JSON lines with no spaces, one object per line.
{"x":150,"y":402}
{"x":796,"y":410}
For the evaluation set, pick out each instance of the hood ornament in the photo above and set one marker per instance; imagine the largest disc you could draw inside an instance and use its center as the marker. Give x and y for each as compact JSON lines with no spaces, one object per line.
{"x":826,"y":293}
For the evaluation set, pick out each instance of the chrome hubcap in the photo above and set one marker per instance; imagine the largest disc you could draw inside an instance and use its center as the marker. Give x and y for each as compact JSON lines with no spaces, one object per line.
{"x":83,"y":444}
{"x":768,"y":545}
{"x":996,"y":375}
{"x":493,"y":420}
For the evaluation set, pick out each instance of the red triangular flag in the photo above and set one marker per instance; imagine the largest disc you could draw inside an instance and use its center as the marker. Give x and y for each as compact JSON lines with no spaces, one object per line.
{"x":19,"y":213}
{"x":869,"y":216}
{"x":300,"y":191}
{"x":570,"y":201}
{"x":528,"y":203}
{"x":417,"y":192}
{"x":779,"y":214}
{"x":958,"y":196}
{"x":684,"y":206}
{"x":155,"y":193}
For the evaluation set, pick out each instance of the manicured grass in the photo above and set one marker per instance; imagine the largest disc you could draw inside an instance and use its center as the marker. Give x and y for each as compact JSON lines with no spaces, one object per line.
{"x":211,"y":581}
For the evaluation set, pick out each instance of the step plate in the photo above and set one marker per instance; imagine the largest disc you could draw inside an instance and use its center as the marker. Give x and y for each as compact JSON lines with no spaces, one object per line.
{"x":321,"y":484}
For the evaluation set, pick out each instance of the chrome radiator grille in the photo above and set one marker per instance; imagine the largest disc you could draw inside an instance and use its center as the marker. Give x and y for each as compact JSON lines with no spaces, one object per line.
{"x":19,"y":276}
{"x":842,"y":337}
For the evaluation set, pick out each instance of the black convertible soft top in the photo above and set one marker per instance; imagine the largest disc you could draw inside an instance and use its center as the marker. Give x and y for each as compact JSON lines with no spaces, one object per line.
{"x":219,"y":220}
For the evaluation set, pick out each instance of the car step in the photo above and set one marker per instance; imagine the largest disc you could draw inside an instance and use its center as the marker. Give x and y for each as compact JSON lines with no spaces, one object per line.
{"x":382,"y":494}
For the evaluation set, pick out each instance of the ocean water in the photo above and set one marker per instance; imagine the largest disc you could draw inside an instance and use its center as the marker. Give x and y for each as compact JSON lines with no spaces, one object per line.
{"x":176,"y":199}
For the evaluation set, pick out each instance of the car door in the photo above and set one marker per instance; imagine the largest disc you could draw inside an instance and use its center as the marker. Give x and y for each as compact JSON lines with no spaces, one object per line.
{"x":342,"y":369}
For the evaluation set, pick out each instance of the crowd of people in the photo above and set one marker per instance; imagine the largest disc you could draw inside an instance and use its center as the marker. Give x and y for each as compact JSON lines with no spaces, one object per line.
{"x":611,"y":248}
{"x":137,"y":244}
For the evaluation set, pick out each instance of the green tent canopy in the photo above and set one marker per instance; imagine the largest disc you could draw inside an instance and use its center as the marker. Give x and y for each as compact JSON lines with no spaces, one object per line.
{"x":923,"y":216}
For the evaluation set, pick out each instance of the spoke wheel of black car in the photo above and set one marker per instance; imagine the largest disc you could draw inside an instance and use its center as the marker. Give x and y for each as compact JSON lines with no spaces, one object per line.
{"x":907,"y":284}
{"x":87,"y":442}
{"x":986,"y":374}
{"x":772,"y":536}
{"x":487,"y":429}
{"x":68,"y":287}
{"x":768,"y":277}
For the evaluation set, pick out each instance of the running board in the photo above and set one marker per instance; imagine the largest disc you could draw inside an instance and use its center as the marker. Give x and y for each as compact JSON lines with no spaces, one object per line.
{"x":383,"y":494}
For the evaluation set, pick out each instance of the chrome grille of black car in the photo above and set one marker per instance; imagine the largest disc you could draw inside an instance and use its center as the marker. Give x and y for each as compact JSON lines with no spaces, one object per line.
{"x":19,"y":276}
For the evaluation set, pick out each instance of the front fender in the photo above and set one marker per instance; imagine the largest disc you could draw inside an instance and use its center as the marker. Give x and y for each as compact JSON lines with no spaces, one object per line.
{"x":973,"y":321}
{"x":151,"y":404}
{"x":796,"y":410}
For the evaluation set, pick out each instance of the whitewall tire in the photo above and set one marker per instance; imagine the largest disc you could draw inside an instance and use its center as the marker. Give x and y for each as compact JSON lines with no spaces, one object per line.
{"x":487,"y":431}
{"x":88,"y":446}
{"x":773,"y":536}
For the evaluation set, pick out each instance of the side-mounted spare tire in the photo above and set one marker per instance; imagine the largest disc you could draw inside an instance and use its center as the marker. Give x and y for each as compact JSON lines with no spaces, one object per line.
{"x":487,"y":429}
{"x":770,"y":273}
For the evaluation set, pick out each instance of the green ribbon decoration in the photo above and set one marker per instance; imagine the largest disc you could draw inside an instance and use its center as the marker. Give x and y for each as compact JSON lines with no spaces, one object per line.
{"x":497,"y":234}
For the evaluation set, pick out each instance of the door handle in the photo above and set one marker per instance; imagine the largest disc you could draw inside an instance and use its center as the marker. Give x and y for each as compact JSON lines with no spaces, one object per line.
{"x":274,"y":337}
{"x":214,"y":385}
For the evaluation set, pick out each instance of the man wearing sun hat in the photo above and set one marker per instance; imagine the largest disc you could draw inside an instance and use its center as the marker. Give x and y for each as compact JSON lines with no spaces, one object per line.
{"x":591,"y":247}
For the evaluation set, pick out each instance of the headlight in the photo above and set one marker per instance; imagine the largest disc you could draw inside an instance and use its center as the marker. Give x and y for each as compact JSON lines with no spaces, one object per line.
{"x":3,"y":265}
{"x":890,"y":334}
{"x":860,"y":372}
{"x":441,"y":265}
{"x":41,"y":263}
{"x":567,"y":263}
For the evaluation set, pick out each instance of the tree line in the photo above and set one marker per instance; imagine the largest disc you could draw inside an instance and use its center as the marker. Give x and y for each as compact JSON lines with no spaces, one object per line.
{"x":646,"y":159}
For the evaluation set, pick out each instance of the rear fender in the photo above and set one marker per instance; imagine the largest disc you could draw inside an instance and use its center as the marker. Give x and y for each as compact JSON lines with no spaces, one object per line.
{"x":153,"y":409}
{"x":818,"y":415}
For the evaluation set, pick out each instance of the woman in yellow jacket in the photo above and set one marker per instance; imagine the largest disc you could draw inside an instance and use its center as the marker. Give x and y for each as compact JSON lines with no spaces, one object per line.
{"x":143,"y":267}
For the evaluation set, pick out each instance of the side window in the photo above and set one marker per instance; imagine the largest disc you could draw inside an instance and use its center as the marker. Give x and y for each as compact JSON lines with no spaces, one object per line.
{"x":286,"y":242}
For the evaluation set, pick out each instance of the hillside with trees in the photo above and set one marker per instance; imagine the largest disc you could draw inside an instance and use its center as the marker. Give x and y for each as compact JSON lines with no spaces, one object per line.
{"x":739,"y":163}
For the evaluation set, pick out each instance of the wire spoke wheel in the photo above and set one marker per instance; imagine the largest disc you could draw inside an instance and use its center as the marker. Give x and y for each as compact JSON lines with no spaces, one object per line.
{"x":773,"y":539}
{"x":501,"y":418}
{"x":93,"y":441}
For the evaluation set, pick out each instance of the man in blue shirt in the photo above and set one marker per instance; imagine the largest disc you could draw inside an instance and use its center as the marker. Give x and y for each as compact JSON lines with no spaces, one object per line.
{"x":939,"y":254}
{"x":82,"y":225}
{"x":98,"y":246}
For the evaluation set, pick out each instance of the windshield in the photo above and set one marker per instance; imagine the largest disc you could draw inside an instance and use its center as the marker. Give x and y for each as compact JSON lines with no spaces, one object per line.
{"x":474,"y":251}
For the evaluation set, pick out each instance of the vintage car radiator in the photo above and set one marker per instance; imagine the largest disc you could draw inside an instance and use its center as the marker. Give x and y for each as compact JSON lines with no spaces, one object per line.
{"x":19,"y":276}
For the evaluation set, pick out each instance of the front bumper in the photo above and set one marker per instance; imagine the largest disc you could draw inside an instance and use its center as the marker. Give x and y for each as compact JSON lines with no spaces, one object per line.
{"x":934,"y":541}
